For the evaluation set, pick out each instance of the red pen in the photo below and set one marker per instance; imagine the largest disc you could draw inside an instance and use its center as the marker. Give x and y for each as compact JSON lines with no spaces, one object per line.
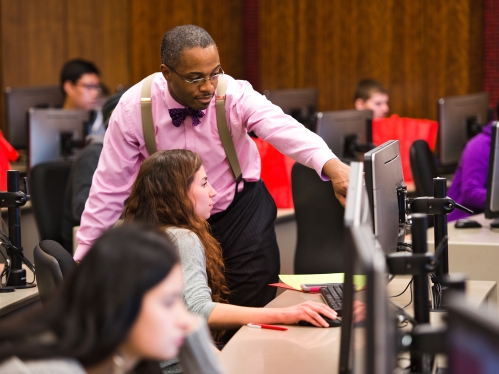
{"x":270,"y":327}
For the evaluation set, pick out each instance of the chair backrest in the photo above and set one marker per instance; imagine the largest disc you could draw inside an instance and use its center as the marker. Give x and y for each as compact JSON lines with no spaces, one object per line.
{"x":53,"y":264}
{"x":47,"y":184}
{"x":320,"y":226}
{"x":423,"y":167}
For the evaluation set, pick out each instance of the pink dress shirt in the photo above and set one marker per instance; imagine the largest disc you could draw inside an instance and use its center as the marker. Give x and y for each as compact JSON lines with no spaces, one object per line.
{"x":124,"y":148}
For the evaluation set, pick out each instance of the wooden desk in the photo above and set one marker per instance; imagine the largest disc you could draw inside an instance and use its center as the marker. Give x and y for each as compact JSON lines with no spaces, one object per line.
{"x":304,"y":349}
{"x":21,"y":298}
{"x":472,"y":252}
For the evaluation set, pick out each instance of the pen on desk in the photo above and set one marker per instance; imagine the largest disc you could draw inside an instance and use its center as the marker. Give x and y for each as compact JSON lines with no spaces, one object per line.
{"x":270,"y":327}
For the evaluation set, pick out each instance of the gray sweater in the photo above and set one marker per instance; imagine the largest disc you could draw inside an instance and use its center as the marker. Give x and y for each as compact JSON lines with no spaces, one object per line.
{"x":197,"y":294}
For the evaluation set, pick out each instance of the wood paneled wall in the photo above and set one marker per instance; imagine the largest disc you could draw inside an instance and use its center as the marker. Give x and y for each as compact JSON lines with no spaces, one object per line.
{"x":151,"y":19}
{"x":420,"y":50}
{"x":39,"y":36}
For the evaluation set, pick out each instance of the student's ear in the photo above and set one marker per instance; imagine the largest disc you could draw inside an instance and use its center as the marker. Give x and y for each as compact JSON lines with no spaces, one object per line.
{"x":68,"y":86}
{"x":359,"y":104}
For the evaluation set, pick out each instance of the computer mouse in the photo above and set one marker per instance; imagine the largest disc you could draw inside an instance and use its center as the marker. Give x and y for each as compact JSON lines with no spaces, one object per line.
{"x":332,"y":322}
{"x":465,"y":223}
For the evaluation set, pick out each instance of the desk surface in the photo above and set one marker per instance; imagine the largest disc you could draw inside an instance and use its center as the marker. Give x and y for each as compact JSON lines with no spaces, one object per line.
{"x":21,"y":297}
{"x":484,"y":236}
{"x":304,"y":349}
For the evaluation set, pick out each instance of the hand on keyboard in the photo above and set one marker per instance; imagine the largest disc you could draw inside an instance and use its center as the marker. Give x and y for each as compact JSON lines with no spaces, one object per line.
{"x":309,"y":311}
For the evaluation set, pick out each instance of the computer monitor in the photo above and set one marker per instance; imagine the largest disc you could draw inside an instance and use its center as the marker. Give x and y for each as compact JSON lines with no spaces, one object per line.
{"x":459,"y":119}
{"x":383,"y":174}
{"x":492,"y":200}
{"x":348,"y":133}
{"x":472,"y":340}
{"x":299,"y":103}
{"x":368,"y":340}
{"x":55,"y":134}
{"x":19,"y":101}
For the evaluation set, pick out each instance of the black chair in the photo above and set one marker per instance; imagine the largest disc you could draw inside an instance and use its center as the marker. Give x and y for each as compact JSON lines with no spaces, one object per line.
{"x":53,"y":264}
{"x":423,"y":167}
{"x":47,"y":184}
{"x":319,"y":220}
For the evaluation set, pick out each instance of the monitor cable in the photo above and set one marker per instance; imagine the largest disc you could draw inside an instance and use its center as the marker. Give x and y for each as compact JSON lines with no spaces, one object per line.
{"x":12,"y":251}
{"x":437,"y":281}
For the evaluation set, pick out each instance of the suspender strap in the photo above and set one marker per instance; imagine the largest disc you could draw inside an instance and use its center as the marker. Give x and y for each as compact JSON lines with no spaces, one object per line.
{"x":146,"y":112}
{"x":223,"y":130}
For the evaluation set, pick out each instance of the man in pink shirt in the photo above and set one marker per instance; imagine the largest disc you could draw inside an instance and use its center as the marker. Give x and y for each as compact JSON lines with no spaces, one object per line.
{"x":183,"y":110}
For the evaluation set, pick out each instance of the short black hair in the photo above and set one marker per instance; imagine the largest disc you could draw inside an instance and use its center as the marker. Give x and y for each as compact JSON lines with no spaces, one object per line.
{"x":180,"y":38}
{"x":74,"y":69}
{"x":366,"y":87}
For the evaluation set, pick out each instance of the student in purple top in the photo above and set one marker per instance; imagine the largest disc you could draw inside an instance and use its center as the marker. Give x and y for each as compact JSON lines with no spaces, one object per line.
{"x":184,"y":117}
{"x":469,"y":186}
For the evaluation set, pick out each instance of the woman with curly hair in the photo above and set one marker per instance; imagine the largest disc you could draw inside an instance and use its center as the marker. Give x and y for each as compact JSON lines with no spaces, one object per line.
{"x":172,"y":192}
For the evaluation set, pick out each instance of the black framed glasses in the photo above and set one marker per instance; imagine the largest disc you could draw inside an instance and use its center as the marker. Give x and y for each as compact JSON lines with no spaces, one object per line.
{"x":200,"y":81}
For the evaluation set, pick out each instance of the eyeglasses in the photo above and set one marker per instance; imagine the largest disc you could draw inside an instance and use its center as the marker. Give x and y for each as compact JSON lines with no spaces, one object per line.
{"x":200,"y":81}
{"x":89,"y":86}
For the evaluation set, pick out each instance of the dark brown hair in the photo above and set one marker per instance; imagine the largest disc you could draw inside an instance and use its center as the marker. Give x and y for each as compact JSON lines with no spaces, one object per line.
{"x":160,"y":198}
{"x":98,"y":304}
{"x":366,"y":88}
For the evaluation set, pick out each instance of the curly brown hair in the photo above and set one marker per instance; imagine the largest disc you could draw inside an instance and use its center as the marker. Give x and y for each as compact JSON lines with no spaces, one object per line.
{"x":160,"y":198}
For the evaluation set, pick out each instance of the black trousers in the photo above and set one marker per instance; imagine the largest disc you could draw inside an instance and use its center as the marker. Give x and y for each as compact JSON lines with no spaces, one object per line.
{"x":246,"y":233}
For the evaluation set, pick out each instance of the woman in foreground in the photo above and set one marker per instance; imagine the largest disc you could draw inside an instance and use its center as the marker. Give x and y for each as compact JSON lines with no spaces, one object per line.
{"x":121,"y":311}
{"x":172,"y":193}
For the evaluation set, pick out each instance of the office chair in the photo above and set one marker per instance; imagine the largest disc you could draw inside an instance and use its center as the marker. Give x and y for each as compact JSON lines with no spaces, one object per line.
{"x":424,"y":169}
{"x":53,"y":264}
{"x":319,"y":220}
{"x":47,"y":184}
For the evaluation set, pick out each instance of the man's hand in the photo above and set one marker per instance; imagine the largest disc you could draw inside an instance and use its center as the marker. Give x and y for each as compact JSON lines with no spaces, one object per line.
{"x":339,"y":173}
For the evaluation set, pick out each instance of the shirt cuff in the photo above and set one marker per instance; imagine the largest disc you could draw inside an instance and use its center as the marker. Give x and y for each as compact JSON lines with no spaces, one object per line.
{"x":80,"y":252}
{"x":320,"y":159}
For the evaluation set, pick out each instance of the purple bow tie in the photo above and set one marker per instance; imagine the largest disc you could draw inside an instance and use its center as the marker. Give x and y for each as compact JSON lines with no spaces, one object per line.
{"x":178,"y":115}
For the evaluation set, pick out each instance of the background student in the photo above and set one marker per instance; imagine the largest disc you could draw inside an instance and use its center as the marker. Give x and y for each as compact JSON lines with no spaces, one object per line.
{"x":81,"y":87}
{"x":469,"y":185}
{"x":370,"y":94}
{"x":172,"y":192}
{"x":121,"y":311}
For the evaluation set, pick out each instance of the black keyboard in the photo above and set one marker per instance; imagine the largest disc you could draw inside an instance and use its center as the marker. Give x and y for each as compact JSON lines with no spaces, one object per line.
{"x":333,"y":296}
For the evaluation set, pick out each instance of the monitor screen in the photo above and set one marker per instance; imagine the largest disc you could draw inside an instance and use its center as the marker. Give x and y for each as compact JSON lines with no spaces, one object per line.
{"x":368,"y":335}
{"x":459,"y":119}
{"x":383,"y":173}
{"x":472,"y":340}
{"x":347,"y":133}
{"x":52,"y":132}
{"x":492,"y":200}
{"x":299,"y":103}
{"x":18,"y":103}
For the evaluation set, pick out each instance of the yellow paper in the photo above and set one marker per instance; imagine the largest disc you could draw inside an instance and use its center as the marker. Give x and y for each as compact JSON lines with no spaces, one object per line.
{"x":296,"y":280}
